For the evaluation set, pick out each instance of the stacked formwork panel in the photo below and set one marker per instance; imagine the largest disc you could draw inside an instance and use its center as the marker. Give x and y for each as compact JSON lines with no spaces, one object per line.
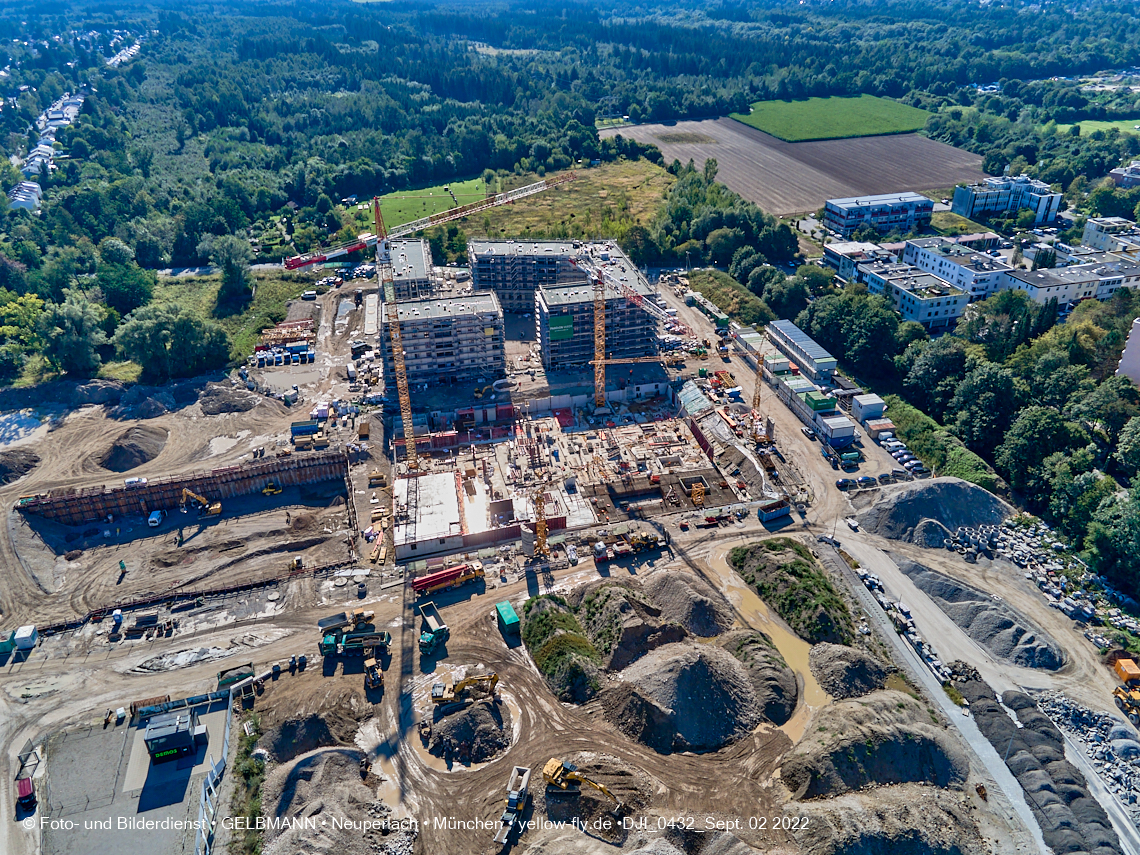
{"x":94,"y":504}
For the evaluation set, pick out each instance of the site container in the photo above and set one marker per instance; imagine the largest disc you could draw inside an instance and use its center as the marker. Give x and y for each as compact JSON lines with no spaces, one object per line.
{"x":306,"y":428}
{"x":25,"y":637}
{"x":773,"y":510}
{"x":1127,"y":671}
{"x":7,"y":641}
{"x":508,"y":620}
{"x":819,"y":402}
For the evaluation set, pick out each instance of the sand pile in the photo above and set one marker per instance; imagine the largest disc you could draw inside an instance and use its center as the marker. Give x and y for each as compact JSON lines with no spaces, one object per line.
{"x":17,"y":463}
{"x":474,"y":734}
{"x":622,"y":623}
{"x":845,"y":672}
{"x":690,"y":601}
{"x":884,"y":738}
{"x":1071,"y":820}
{"x":218,"y":398}
{"x":994,"y":624}
{"x":685,"y":697}
{"x":925,"y":512}
{"x":777,"y":690}
{"x":297,"y":736}
{"x":133,"y":448}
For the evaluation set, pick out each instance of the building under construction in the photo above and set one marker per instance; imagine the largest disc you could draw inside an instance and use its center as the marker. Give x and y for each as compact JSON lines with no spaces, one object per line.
{"x":412,"y":269}
{"x":515,"y":269}
{"x":565,"y":325}
{"x":447,"y":339}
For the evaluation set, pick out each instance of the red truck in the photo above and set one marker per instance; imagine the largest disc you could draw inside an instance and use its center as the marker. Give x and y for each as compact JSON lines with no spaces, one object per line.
{"x":26,"y":794}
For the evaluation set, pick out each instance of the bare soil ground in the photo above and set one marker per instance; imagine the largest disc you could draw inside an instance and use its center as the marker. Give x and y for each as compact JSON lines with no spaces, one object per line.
{"x":785,"y":178}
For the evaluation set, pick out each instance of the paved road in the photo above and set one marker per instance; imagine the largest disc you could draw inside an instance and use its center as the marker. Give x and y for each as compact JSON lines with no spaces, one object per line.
{"x":1014,"y":796}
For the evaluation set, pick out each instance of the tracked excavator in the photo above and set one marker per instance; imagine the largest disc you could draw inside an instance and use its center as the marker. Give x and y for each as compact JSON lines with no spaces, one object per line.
{"x":447,"y":693}
{"x":566,"y":777}
{"x":206,"y":508}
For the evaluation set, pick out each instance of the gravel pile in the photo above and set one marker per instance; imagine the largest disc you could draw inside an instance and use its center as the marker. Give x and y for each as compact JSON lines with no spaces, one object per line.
{"x":775,"y":684}
{"x":690,"y":601}
{"x":845,"y":672}
{"x":994,"y":624}
{"x":623,"y":623}
{"x":133,"y":448}
{"x":1071,"y":820}
{"x":1109,"y":744}
{"x":685,"y":697}
{"x":296,"y":737}
{"x":884,"y":738}
{"x":924,"y":512}
{"x":17,"y":463}
{"x":474,"y":734}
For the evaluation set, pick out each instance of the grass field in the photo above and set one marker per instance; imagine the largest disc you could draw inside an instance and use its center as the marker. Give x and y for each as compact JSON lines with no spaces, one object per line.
{"x":947,"y":223}
{"x":833,"y":118}
{"x":1131,"y":126}
{"x":405,"y":206}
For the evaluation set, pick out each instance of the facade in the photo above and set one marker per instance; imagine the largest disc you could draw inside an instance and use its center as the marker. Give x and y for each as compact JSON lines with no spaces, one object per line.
{"x":915,"y":294}
{"x":843,"y":257}
{"x":1130,"y":360}
{"x":411,"y":269}
{"x":564,"y":322}
{"x":1077,"y":282}
{"x":813,"y":361}
{"x":902,"y":212}
{"x":447,"y":339}
{"x":173,"y":735}
{"x":26,"y":195}
{"x":1126,"y":177}
{"x":515,"y":269}
{"x":1112,"y":234}
{"x":977,"y":274}
{"x":1007,"y":193}
{"x":867,"y":407}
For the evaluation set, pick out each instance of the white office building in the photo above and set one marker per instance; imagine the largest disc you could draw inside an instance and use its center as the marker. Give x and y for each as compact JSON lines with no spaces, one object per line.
{"x":1007,"y":193}
{"x":976,"y":273}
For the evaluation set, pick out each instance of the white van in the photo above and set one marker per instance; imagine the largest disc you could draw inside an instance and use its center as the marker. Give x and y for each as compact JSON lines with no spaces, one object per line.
{"x":155,"y":519}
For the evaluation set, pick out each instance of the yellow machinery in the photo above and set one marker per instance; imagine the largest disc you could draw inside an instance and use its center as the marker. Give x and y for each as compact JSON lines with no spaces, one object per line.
{"x":564,"y":776}
{"x":1128,"y":701}
{"x":698,"y":494}
{"x":539,"y":499}
{"x":447,"y":693}
{"x":296,"y":563}
{"x":271,"y":489}
{"x":479,"y":393}
{"x":373,"y":676}
{"x":205,"y":506}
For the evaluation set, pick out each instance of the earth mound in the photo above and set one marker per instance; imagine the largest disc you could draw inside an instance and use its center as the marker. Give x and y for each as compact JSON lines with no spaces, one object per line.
{"x":17,"y":463}
{"x":690,"y":601}
{"x":995,"y":625}
{"x":217,"y":398}
{"x":622,"y":623}
{"x":139,"y":445}
{"x":924,"y":512}
{"x":296,"y":737}
{"x":884,"y":738}
{"x":845,"y":672}
{"x":589,"y":810}
{"x":774,"y":682}
{"x":475,"y":734}
{"x":686,"y":697}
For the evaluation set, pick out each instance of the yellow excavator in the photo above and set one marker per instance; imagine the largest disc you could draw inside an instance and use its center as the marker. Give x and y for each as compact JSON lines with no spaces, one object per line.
{"x":448,"y":693}
{"x":271,"y":489}
{"x":565,"y":776}
{"x":205,"y":506}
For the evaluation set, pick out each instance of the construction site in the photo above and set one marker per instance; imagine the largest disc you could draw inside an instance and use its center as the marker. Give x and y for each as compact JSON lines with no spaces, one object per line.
{"x":612,"y":601}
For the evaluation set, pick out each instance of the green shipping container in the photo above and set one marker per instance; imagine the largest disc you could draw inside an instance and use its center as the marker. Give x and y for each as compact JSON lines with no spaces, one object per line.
{"x":508,"y":620}
{"x":819,"y":402}
{"x":7,"y":641}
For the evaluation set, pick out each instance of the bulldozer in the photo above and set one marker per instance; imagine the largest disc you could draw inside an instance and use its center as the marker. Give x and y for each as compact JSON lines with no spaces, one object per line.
{"x":448,"y":693}
{"x":271,"y":489}
{"x":566,"y":777}
{"x":206,"y":508}
{"x":1128,"y":701}
{"x":373,"y":676}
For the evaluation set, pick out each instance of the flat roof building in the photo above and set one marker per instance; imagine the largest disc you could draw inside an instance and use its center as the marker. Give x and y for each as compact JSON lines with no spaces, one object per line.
{"x":844,"y":256}
{"x":411,"y":269}
{"x":1130,"y":359}
{"x":887,"y":212}
{"x":1112,"y":234}
{"x":173,"y":735}
{"x":976,"y":273}
{"x":1007,"y":193}
{"x":1077,"y":282}
{"x":915,"y":294}
{"x":447,"y":339}
{"x":1126,"y":177}
{"x":813,"y":361}
{"x":514,"y":269}
{"x":564,"y":323}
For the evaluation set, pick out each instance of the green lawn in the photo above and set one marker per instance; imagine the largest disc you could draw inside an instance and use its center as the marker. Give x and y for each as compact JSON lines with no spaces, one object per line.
{"x":1131,"y":126}
{"x":833,"y":118}
{"x":405,"y":206}
{"x":948,"y":223}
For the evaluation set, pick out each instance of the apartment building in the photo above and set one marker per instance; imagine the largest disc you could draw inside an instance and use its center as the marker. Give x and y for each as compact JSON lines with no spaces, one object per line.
{"x":1126,"y":177}
{"x":1007,"y":193}
{"x":447,"y":339}
{"x":1077,"y":282}
{"x":412,"y":269}
{"x":977,"y":274}
{"x":1112,"y":234}
{"x":515,"y":269}
{"x":902,"y":212}
{"x":564,"y":323}
{"x":845,"y":256}
{"x":915,"y":294}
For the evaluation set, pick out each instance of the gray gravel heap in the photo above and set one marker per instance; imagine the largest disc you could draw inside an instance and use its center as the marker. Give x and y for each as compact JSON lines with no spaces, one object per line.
{"x":904,"y":511}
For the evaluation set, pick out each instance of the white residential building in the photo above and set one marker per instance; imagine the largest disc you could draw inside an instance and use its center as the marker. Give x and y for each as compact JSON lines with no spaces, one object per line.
{"x":976,"y":273}
{"x":1007,"y":193}
{"x":1130,"y":360}
{"x":915,"y":294}
{"x":1112,"y":234}
{"x":26,"y":195}
{"x":1077,"y":282}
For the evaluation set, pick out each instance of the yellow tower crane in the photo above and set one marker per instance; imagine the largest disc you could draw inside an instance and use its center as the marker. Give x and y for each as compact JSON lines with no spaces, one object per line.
{"x":539,"y":499}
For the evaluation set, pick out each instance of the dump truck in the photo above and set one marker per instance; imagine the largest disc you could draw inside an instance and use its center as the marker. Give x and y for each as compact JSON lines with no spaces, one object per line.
{"x":435,"y":631}
{"x":517,"y":795}
{"x":446,"y":692}
{"x":566,"y":777}
{"x":234,"y":675}
{"x":373,"y":676}
{"x":344,"y":619}
{"x":1127,"y":672}
{"x":452,"y":577}
{"x":507,"y":618}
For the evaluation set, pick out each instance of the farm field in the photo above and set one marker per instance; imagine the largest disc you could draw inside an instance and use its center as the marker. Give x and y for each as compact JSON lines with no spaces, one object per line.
{"x":833,"y":118}
{"x":787,"y":178}
{"x":1131,"y":126}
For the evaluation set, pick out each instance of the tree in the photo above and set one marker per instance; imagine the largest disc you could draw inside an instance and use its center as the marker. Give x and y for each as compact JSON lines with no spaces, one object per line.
{"x":1108,"y":407}
{"x":787,"y":297}
{"x":232,"y":255}
{"x":1128,"y":447}
{"x":983,"y":406}
{"x":19,"y":321}
{"x":125,"y":287}
{"x":114,"y":251}
{"x":170,"y":342}
{"x":72,"y":333}
{"x":1025,"y":219}
{"x":722,"y":243}
{"x":1035,"y":434}
{"x":934,"y":376}
{"x":710,"y":170}
{"x":818,"y":280}
{"x":761,"y":277}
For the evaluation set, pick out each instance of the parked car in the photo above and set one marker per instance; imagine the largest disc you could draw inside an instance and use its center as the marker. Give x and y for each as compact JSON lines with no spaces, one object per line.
{"x":912,"y":465}
{"x":906,"y":458}
{"x":866,"y":481}
{"x":923,"y":473}
{"x":830,"y":541}
{"x":896,"y":453}
{"x":844,"y":483}
{"x":806,"y":431}
{"x":898,"y":474}
{"x":885,"y":479}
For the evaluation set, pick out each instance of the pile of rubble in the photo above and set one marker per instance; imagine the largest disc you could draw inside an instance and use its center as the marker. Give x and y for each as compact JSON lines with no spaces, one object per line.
{"x":1110,"y":745}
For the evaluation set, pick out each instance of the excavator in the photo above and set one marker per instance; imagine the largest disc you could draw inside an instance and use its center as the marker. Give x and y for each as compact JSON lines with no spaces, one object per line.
{"x":447,"y":693}
{"x":566,"y":776}
{"x":206,"y":508}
